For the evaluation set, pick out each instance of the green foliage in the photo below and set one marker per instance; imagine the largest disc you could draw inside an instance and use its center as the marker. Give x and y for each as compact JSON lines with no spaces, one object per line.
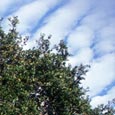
{"x":38,"y":81}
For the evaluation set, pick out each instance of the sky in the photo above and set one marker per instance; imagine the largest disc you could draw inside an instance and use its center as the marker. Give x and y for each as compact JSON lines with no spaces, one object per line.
{"x":87,"y":26}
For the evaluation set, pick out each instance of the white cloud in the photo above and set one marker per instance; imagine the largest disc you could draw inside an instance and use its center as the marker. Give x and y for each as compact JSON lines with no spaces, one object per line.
{"x":79,"y":42}
{"x":105,"y":46}
{"x":101,"y":15}
{"x":81,"y":37}
{"x":30,"y":14}
{"x":105,"y":40}
{"x":10,"y":5}
{"x":103,"y":99}
{"x":101,"y":74}
{"x":60,"y":23}
{"x":4,"y":6}
{"x":84,"y":56}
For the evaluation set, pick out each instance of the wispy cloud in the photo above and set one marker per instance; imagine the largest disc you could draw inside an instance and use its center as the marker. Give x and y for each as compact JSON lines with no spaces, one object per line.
{"x":104,"y":99}
{"x":10,"y":6}
{"x":80,"y":38}
{"x":93,"y":43}
{"x":30,"y":14}
{"x":60,"y":23}
{"x":101,"y":74}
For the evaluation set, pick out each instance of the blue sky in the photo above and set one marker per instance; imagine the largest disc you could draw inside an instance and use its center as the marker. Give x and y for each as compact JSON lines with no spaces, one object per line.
{"x":88,"y":26}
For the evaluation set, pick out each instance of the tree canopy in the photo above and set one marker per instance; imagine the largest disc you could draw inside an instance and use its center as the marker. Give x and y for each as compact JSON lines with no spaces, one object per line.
{"x":38,"y":81}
